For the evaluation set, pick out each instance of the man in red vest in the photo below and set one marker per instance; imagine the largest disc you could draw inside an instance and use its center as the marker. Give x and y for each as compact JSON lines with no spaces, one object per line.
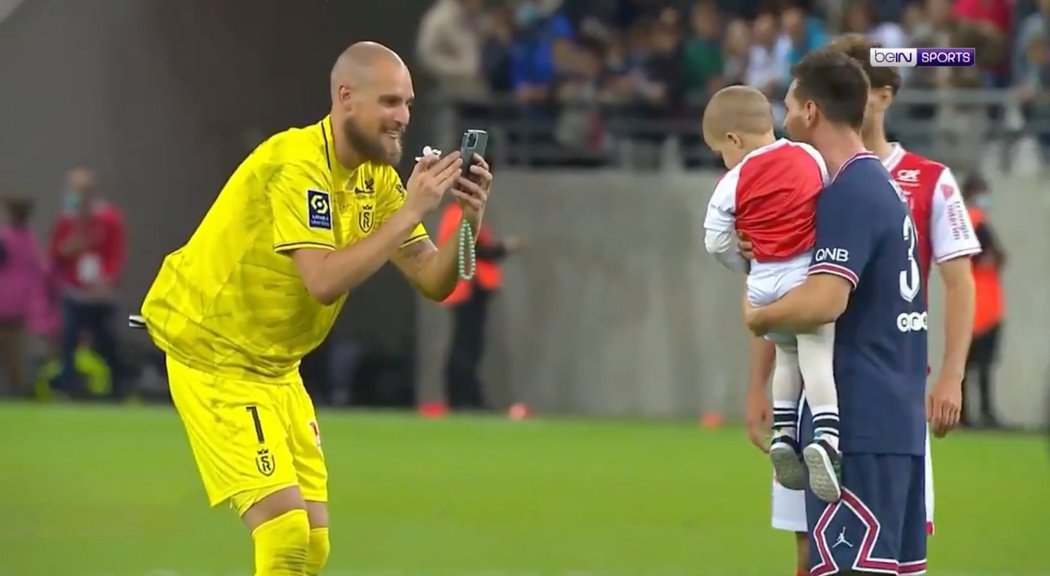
{"x":88,"y":248}
{"x":988,"y":314}
{"x":469,"y":303}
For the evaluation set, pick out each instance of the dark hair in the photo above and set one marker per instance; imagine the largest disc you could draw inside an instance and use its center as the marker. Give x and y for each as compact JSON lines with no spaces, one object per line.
{"x":18,"y":209}
{"x":836,"y":83}
{"x":858,"y":47}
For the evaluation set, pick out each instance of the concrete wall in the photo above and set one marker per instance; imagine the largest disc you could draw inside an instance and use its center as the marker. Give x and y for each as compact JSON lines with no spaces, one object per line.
{"x":616,"y":310}
{"x":166,"y":97}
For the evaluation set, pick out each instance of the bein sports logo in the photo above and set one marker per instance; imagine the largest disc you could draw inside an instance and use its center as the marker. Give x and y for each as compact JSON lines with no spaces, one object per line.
{"x":912,"y":322}
{"x":911,"y":57}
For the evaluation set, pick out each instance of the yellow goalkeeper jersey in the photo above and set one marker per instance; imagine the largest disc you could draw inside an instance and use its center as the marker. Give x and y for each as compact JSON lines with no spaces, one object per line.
{"x":231,"y":301}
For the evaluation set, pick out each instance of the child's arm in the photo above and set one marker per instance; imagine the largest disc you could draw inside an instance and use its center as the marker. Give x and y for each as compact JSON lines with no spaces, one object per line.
{"x":720,"y":237}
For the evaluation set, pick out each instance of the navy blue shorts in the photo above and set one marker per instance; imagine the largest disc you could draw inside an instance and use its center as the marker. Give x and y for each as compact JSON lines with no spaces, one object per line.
{"x":879,"y":526}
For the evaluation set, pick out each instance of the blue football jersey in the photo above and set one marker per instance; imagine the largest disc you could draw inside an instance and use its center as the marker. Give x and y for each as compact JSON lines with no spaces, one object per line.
{"x":866,"y":235}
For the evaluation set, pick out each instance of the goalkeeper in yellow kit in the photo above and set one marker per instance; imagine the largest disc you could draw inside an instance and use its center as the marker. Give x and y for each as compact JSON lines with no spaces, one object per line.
{"x":307,"y":217}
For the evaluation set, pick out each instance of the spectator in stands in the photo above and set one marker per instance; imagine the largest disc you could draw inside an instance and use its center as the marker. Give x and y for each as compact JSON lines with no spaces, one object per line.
{"x":1035,"y":24}
{"x":579,"y":93}
{"x":449,"y":47}
{"x":989,"y":310}
{"x":992,"y":19}
{"x":960,"y":128}
{"x":803,"y":33}
{"x":496,"y":52}
{"x":1033,"y":83}
{"x":767,"y":66}
{"x":861,"y":17}
{"x":21,"y":284}
{"x":702,"y":57}
{"x":88,"y":248}
{"x":736,"y":52}
{"x":538,"y":25}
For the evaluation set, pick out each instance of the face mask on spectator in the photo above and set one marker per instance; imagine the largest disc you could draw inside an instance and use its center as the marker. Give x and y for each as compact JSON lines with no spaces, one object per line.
{"x":527,"y":15}
{"x":73,"y":201}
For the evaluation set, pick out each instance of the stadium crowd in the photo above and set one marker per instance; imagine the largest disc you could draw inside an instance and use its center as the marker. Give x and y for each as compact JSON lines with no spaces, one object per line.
{"x":579,"y":75}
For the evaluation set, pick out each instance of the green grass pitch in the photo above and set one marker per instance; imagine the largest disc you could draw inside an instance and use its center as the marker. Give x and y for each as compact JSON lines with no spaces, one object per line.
{"x":112,"y":491}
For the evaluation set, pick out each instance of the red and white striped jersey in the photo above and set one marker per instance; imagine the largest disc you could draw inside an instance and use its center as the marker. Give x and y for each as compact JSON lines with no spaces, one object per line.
{"x":937,"y":207}
{"x":771,"y":196}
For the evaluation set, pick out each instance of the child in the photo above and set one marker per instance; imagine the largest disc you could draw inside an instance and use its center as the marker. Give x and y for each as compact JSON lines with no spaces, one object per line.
{"x":770,"y":195}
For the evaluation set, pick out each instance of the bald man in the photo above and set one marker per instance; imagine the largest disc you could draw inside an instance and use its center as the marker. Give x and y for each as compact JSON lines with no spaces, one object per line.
{"x":770,"y":195}
{"x":311,"y":214}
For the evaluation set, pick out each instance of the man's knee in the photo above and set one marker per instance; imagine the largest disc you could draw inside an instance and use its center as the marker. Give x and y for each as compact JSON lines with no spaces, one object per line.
{"x":282,"y":545}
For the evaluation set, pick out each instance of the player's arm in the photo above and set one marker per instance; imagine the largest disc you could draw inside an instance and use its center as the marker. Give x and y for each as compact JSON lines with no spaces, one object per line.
{"x":302,"y":220}
{"x":954,"y":241}
{"x":720,"y":234}
{"x":841,"y":252}
{"x":434,"y":271}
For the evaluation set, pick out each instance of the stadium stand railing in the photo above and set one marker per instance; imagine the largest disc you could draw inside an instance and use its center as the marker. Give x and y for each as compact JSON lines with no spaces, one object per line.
{"x":626,"y":135}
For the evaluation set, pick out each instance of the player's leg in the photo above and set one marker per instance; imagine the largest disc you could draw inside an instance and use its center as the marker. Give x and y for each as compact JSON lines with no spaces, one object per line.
{"x":312,"y":473}
{"x":789,"y":514}
{"x":816,"y":361}
{"x":915,"y":528}
{"x":238,"y":437}
{"x":801,"y":554}
{"x":786,"y":387}
{"x":875,"y":496}
{"x":928,"y":485}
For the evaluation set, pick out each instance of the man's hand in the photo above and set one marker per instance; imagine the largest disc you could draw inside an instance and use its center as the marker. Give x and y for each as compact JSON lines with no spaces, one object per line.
{"x":743,"y":244}
{"x":473,"y":192}
{"x":759,"y":417}
{"x":431,"y":178}
{"x":944,"y":404}
{"x":753,"y":319}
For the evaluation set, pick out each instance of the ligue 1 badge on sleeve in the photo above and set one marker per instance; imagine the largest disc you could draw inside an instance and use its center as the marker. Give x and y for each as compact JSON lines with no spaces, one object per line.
{"x":265,"y":462}
{"x":319,"y":209}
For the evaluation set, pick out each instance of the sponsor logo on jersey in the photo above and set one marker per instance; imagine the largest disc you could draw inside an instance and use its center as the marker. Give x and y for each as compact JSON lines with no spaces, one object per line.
{"x":958,"y":221}
{"x":912,"y":322}
{"x":832,"y":255}
{"x":369,"y":187}
{"x":318,"y":209}
{"x":907,"y":176}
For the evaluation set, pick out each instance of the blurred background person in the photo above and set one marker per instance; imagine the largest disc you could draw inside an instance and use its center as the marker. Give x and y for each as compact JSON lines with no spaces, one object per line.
{"x":22,"y":280}
{"x":449,"y":49}
{"x":768,"y":67}
{"x":470,"y":304}
{"x":990,"y":307}
{"x":88,"y":249}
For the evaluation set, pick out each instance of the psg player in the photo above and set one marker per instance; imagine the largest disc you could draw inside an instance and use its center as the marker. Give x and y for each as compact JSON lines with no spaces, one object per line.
{"x":866,"y":278}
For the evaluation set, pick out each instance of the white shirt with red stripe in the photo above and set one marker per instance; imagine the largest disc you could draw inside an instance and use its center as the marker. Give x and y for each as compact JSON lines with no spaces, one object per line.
{"x":937,"y":207}
{"x":771,"y":197}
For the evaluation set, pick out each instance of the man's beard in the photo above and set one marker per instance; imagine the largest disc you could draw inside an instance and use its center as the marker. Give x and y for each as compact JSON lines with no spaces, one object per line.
{"x":370,"y":147}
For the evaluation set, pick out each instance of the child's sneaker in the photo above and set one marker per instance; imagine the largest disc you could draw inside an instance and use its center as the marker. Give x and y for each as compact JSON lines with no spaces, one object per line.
{"x":824,"y":463}
{"x":787,"y":463}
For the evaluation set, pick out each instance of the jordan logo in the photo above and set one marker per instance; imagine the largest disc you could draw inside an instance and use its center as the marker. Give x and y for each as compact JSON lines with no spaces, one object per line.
{"x":842,"y":539}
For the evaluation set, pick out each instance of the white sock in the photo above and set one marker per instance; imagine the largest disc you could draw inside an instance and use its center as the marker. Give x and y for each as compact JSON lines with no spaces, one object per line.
{"x":787,"y":388}
{"x":816,"y":352}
